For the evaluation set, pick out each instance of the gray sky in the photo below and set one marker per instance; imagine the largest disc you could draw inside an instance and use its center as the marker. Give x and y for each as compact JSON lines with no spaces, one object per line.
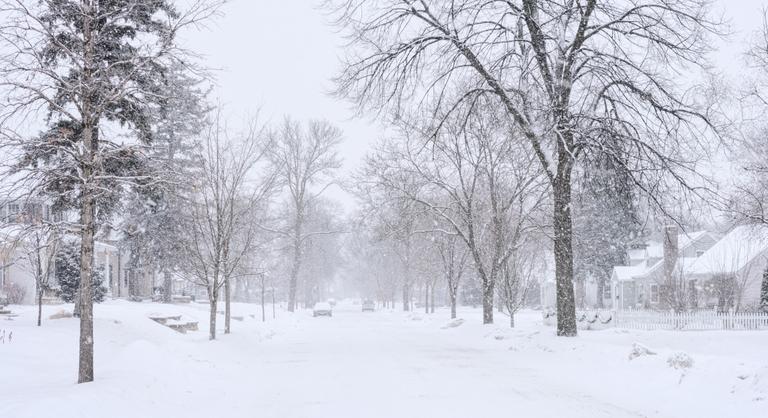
{"x":279,"y":56}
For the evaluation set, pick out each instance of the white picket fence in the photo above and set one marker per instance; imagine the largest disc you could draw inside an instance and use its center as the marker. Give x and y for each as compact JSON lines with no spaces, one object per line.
{"x":657,"y":320}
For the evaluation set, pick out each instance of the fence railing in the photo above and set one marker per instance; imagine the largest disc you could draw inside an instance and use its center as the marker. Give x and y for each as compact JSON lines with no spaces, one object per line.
{"x":659,"y":320}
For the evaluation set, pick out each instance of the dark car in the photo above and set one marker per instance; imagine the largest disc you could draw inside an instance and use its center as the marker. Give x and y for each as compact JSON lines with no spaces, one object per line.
{"x":322,"y":309}
{"x":369,"y":306}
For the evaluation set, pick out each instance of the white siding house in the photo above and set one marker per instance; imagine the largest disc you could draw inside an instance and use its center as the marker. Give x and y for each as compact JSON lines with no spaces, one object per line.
{"x":731,"y":272}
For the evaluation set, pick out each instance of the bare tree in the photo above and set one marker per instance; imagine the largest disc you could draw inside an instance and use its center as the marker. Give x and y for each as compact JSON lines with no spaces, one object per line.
{"x":40,"y":252}
{"x":394,"y":217}
{"x":221,"y":225}
{"x":567,"y":73}
{"x":483,"y":178}
{"x":453,"y":255}
{"x":519,"y":275}
{"x":304,"y":157}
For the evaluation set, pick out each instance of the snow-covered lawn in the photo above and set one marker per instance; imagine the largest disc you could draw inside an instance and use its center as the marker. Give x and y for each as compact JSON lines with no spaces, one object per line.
{"x":380,"y":364}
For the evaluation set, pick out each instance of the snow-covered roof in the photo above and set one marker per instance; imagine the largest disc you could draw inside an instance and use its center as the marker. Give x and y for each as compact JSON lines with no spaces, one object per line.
{"x":627,"y":273}
{"x":655,"y":249}
{"x":734,"y":251}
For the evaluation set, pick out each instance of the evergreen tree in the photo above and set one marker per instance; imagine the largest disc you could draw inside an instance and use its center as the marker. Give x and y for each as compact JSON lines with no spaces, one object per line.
{"x":155,"y":212}
{"x":89,"y":64}
{"x":67,"y":273}
{"x":605,"y":221}
{"x":764,"y":292}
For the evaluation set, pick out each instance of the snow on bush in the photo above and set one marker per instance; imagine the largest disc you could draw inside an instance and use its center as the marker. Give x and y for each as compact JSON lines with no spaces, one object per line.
{"x":639,"y":350}
{"x":680,"y":361}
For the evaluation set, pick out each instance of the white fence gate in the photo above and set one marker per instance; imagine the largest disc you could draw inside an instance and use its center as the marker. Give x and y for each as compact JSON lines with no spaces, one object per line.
{"x":655,"y":320}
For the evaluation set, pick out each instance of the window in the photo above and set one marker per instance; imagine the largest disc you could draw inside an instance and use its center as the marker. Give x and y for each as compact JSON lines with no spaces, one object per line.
{"x":111,"y":276}
{"x":607,"y":291}
{"x":13,"y":209}
{"x":699,"y":253}
{"x":654,"y":293}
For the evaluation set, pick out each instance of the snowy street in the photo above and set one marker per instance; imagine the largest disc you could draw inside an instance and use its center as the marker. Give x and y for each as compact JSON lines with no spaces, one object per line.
{"x":380,"y":364}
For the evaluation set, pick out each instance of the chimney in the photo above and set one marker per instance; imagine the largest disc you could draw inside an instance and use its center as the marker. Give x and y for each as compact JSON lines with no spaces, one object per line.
{"x":670,"y":252}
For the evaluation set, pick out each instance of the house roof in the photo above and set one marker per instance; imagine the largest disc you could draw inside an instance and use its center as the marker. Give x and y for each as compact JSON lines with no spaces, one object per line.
{"x":733,"y":252}
{"x":656,"y":250}
{"x":627,"y":273}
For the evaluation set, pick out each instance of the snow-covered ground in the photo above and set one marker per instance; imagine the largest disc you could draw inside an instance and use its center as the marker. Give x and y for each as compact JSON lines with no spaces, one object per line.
{"x":381,"y":364}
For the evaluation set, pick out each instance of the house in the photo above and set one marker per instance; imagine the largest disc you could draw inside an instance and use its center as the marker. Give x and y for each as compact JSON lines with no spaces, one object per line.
{"x":730,"y":273}
{"x":18,"y":250}
{"x":643,"y":283}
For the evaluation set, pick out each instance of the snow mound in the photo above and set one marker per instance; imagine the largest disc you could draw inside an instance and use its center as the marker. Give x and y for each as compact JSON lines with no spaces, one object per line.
{"x":680,"y":361}
{"x":61,"y":314}
{"x":639,"y":350}
{"x":756,"y":384}
{"x":454,"y":323}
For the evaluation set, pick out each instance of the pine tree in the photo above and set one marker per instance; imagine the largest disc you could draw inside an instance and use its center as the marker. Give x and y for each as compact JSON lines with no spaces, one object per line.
{"x":155,"y":212}
{"x":89,"y":64}
{"x":67,"y":273}
{"x":764,"y":292}
{"x":605,"y":221}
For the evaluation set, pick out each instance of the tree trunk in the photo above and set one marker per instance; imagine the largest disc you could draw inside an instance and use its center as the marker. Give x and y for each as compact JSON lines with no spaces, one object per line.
{"x":406,"y":298}
{"x":263,"y":312}
{"x":600,"y":291}
{"x":511,"y":319}
{"x":487,"y":301}
{"x":87,"y":210}
{"x":426,"y":298}
{"x":432,"y":300}
{"x":85,"y":373}
{"x":212,"y":320}
{"x":294,"y":279}
{"x":452,"y":295}
{"x":39,"y":305}
{"x":227,"y":304}
{"x":566,"y":309}
{"x":168,"y":286}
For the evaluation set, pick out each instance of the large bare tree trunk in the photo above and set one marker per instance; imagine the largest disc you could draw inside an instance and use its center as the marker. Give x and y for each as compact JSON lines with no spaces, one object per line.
{"x":566,"y":309}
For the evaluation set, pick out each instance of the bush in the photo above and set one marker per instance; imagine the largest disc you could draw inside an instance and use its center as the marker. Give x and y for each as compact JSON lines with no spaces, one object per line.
{"x":14,"y":293}
{"x":680,"y":361}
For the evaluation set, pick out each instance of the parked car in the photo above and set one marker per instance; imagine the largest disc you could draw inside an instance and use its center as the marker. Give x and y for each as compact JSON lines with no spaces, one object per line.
{"x":369,"y":306}
{"x":322,"y":309}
